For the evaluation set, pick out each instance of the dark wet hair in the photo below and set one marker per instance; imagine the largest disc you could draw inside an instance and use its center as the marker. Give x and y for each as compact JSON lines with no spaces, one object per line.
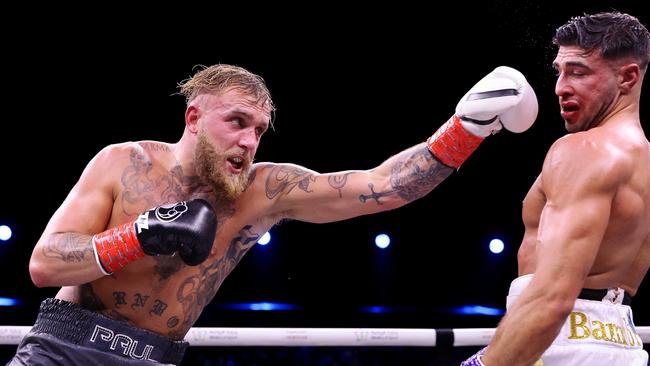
{"x":617,"y":35}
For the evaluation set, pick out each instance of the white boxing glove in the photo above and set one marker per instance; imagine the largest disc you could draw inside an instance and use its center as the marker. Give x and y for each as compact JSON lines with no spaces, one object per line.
{"x":502,"y":98}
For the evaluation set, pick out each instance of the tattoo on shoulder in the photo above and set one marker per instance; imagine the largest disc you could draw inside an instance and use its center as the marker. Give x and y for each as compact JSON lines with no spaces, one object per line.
{"x":155,"y":146}
{"x":136,"y":181}
{"x":251,"y":177}
{"x":68,"y":247}
{"x":283,"y":179}
{"x":416,"y":172}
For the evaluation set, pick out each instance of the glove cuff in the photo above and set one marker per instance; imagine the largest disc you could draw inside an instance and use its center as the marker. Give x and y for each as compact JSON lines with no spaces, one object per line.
{"x":452,"y":144}
{"x":116,"y":247}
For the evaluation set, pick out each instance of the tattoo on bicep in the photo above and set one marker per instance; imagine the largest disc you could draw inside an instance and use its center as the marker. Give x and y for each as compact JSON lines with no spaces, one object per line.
{"x":416,"y":172}
{"x":283,"y":179}
{"x":338,"y":182}
{"x":375,"y":195}
{"x":68,"y":247}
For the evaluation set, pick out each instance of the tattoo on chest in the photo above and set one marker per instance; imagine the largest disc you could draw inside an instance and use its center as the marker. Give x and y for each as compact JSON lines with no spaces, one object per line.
{"x":283,"y":179}
{"x":167,"y":265}
{"x":68,"y":247}
{"x":197,"y":291}
{"x":142,"y":185}
{"x":416,"y":172}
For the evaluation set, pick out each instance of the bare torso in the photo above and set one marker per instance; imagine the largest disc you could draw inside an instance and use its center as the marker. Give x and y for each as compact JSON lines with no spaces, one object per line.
{"x":623,"y":257}
{"x":161,"y":293}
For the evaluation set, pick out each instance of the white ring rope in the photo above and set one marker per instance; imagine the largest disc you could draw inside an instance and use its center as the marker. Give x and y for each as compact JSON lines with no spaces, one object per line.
{"x":208,"y":336}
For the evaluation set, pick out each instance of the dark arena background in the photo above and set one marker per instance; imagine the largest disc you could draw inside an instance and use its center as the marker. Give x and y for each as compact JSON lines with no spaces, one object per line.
{"x":354,"y":84}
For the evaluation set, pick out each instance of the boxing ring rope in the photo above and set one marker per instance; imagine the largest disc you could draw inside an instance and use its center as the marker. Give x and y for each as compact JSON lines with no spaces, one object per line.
{"x":208,"y":336}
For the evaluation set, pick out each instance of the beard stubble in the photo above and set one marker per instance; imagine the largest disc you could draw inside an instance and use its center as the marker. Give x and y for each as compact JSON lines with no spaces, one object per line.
{"x":210,"y":166}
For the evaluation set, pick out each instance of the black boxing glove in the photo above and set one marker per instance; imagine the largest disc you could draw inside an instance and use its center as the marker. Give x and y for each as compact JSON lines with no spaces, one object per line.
{"x":186,"y":227}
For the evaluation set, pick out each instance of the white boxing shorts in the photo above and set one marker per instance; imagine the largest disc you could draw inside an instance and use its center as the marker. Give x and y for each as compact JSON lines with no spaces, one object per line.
{"x":599,"y":331}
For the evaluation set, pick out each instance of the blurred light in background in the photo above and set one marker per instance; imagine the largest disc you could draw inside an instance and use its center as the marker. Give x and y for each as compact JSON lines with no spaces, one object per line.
{"x":496,"y":246}
{"x":376,"y":309}
{"x":5,"y":232}
{"x":257,"y":306}
{"x":5,"y":301}
{"x":382,"y":241}
{"x":477,"y":310}
{"x":265,"y":239}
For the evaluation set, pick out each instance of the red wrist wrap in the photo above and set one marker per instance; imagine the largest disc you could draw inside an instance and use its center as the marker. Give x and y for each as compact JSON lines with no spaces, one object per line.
{"x":452,"y":144}
{"x":117,"y":247}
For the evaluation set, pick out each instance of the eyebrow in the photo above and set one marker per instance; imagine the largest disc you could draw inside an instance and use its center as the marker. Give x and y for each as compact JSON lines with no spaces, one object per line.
{"x":570,"y":64}
{"x":248,"y":115}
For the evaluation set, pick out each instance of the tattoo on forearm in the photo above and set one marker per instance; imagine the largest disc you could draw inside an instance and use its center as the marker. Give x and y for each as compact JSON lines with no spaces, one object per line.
{"x":68,"y":247}
{"x":338,"y":182}
{"x":283,"y":179}
{"x":375,"y":195}
{"x":416,"y":172}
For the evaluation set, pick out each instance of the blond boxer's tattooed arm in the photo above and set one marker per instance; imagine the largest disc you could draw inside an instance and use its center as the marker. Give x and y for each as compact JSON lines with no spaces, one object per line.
{"x":338,"y":181}
{"x":303,"y":194}
{"x":68,"y":247}
{"x":283,"y":179}
{"x":415,"y":173}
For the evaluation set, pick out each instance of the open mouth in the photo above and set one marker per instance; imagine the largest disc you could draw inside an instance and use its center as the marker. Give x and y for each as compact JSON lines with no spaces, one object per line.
{"x":236,"y":162}
{"x":569,"y":106}
{"x":568,"y":110}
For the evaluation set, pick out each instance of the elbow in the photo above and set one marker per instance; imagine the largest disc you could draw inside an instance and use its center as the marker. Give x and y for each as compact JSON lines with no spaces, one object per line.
{"x":39,"y":274}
